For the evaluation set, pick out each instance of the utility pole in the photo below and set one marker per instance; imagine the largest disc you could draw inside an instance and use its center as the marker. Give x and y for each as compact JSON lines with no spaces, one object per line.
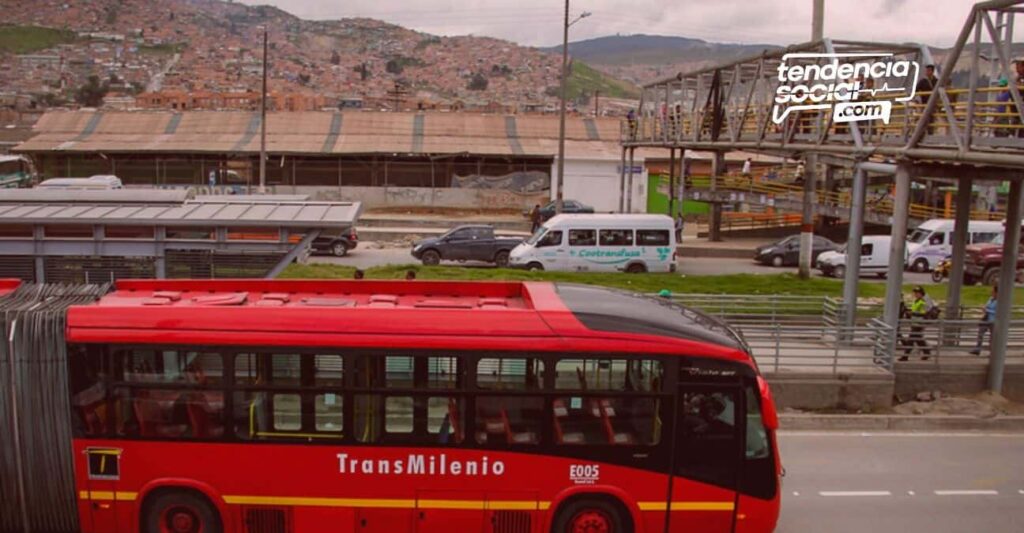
{"x":597,"y":105}
{"x":263,"y":120}
{"x":818,"y":21}
{"x":559,"y":199}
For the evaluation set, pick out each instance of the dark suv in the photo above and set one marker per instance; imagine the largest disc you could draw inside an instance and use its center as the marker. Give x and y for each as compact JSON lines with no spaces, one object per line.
{"x":984,"y":262}
{"x":336,"y":243}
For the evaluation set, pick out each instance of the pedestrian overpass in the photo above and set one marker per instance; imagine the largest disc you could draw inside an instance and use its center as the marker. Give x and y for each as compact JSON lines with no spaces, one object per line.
{"x":962,"y":135}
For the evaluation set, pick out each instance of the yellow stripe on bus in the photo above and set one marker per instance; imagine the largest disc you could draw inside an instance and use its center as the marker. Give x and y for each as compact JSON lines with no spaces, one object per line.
{"x":320,"y":502}
{"x":476,"y":505}
{"x":687,"y":506}
{"x":103,"y":495}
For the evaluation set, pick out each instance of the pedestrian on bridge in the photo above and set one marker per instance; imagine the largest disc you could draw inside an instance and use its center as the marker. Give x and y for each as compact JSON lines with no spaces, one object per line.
{"x":746,"y":168}
{"x":923,"y":307}
{"x":987,"y":320}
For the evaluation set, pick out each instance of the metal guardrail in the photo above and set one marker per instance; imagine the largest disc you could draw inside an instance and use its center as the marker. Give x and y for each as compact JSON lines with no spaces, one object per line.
{"x":951,"y":342}
{"x":864,"y":348}
{"x":808,"y":333}
{"x":757,"y":308}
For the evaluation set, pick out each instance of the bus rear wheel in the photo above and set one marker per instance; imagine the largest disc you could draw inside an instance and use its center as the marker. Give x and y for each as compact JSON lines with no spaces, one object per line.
{"x":180,"y":511}
{"x":591,"y":516}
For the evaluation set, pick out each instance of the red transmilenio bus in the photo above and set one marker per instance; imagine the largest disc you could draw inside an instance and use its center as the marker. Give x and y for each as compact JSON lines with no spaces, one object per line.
{"x":254,"y":406}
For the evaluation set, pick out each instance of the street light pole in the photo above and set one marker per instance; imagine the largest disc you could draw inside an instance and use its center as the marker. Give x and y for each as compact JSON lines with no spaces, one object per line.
{"x":263,"y":120}
{"x":559,"y":198}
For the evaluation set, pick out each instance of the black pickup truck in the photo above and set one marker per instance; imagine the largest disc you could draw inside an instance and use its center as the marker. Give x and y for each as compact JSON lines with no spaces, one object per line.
{"x":466,"y":243}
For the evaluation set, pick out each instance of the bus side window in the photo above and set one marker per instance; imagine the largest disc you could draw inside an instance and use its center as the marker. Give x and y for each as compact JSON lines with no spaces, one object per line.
{"x":508,"y":420}
{"x":88,"y":374}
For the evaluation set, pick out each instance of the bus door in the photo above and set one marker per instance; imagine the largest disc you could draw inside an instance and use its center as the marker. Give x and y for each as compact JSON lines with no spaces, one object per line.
{"x":707,"y":456}
{"x":104,"y":471}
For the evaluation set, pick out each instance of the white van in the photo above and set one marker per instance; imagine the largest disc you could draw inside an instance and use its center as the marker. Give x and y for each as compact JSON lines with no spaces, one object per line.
{"x":874,"y":258}
{"x":600,"y":243}
{"x":932,"y":241}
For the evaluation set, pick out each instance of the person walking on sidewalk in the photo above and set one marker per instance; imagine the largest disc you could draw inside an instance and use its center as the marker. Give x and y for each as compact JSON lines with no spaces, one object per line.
{"x":920,"y":309}
{"x":534,"y":219}
{"x":987,"y":321}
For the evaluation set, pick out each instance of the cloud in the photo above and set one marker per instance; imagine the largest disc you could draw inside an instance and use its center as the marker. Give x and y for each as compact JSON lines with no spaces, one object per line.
{"x":539,"y":22}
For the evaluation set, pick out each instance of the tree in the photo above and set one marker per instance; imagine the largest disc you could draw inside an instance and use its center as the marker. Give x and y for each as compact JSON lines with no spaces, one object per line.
{"x":91,"y":93}
{"x":478,"y":82}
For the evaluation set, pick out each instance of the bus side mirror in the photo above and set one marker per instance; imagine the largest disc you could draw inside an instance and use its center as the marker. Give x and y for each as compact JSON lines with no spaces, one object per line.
{"x":769,"y":416}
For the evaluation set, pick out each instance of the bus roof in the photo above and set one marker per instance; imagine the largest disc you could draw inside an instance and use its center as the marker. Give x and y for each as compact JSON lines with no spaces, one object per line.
{"x":408,"y":314}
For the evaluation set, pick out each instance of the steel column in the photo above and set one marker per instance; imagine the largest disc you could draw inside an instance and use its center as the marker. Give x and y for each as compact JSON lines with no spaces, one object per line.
{"x":622,"y":183}
{"x":629,"y":186}
{"x":956,"y":273}
{"x":853,"y":243}
{"x":1004,"y":301}
{"x":807,"y":224}
{"x":897,"y":247}
{"x":671,"y":183}
{"x":717,"y":168}
{"x":299,"y":248}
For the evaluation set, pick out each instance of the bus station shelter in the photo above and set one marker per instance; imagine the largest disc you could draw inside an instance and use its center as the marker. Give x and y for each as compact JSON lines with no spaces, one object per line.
{"x":102,"y":236}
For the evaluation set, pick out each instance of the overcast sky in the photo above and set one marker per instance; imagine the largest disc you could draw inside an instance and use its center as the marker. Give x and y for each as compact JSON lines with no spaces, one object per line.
{"x":538,"y":22}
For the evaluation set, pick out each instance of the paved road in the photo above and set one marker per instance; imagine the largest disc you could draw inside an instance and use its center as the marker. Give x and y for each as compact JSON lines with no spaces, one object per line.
{"x":364,"y":257}
{"x":902,"y":482}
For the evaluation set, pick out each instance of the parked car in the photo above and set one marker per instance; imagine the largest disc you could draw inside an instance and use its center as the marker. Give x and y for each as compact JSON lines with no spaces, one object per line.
{"x":466,"y":243}
{"x":933,"y":240}
{"x":984,"y":262}
{"x":787,"y":251}
{"x":600,"y":243}
{"x":569,"y":207}
{"x":336,"y":243}
{"x":874,"y":258}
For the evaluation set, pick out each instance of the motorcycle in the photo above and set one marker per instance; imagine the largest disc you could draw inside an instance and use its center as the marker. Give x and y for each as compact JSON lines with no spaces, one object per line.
{"x":941,"y":270}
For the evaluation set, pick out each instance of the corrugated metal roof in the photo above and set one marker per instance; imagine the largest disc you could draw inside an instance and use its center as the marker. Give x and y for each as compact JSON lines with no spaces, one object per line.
{"x":90,"y":196}
{"x":320,"y":132}
{"x":193,"y":213}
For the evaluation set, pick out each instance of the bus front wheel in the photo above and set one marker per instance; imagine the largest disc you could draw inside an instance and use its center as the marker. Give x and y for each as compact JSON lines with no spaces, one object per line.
{"x":588,"y":515}
{"x":180,"y":511}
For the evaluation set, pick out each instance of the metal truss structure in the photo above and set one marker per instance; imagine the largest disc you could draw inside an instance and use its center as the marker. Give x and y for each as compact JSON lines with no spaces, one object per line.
{"x":968,"y":133}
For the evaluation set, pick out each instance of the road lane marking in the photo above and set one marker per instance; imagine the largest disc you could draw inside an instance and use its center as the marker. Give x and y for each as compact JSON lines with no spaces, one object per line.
{"x":1021,"y":491}
{"x":796,"y":493}
{"x":855,"y":493}
{"x":967,"y":493}
{"x":918,"y":434}
{"x":910,"y":492}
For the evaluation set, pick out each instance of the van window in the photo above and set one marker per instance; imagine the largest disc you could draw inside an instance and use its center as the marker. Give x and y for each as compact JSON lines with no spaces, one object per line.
{"x":616,"y":237}
{"x":984,"y":237}
{"x":551,"y":238}
{"x":937,"y":239}
{"x":866,"y":250}
{"x":652,"y":237}
{"x":582,"y":237}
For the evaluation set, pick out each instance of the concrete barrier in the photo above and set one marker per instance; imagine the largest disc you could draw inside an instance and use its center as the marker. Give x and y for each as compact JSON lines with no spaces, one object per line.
{"x":955,"y":379}
{"x":825,"y":391}
{"x":801,"y":421}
